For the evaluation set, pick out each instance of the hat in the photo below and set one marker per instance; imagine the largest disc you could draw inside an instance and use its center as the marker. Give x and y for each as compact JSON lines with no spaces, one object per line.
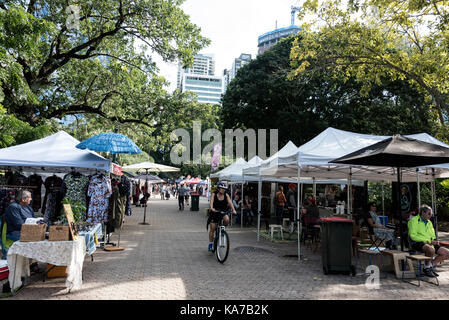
{"x":292,"y":185}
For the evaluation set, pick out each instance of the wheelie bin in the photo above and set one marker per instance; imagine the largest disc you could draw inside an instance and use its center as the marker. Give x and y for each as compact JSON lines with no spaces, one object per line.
{"x":195,"y":205}
{"x":336,"y":245}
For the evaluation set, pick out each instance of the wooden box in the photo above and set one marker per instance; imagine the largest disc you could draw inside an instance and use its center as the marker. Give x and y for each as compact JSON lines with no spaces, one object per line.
{"x":57,"y":271}
{"x":59,"y":233}
{"x":32,"y":232}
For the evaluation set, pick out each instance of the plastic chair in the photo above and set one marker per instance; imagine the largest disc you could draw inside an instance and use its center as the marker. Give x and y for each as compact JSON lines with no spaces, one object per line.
{"x":5,"y":242}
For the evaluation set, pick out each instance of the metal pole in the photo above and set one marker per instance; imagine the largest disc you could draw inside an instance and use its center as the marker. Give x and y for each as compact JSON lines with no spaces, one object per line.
{"x":298,"y":213}
{"x":259,"y":204}
{"x":434,"y":205}
{"x":383,"y":199}
{"x":314,"y":188}
{"x":349,"y":193}
{"x":241,"y":209}
{"x":145,"y":205}
{"x":399,"y":207}
{"x":419,"y":188}
{"x":231,"y":200}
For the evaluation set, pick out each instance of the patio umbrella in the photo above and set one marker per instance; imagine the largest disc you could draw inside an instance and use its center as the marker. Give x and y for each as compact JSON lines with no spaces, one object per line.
{"x":150,"y":178}
{"x":113,"y":143}
{"x":397,"y":151}
{"x":149,"y":166}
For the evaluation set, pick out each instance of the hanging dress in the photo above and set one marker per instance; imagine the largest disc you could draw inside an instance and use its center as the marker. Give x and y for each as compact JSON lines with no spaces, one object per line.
{"x":99,"y":192}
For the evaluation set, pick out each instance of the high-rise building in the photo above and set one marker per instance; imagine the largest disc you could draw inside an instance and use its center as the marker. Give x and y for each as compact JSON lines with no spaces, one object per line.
{"x":226,"y":78}
{"x":200,"y":79}
{"x":229,"y":74}
{"x":267,"y":40}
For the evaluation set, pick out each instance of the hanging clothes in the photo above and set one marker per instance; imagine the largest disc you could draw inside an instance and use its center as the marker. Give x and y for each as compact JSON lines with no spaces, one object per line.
{"x":9,"y":175}
{"x":99,"y":191}
{"x":36,"y":181}
{"x":74,"y":187}
{"x":117,"y":206}
{"x":7,"y":196}
{"x":53,"y":186}
{"x":19,"y":179}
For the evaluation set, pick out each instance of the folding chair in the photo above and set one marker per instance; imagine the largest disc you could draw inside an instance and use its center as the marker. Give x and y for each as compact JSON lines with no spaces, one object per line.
{"x":309,"y":231}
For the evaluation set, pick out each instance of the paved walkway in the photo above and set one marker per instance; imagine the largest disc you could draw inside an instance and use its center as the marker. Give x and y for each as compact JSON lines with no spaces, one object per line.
{"x":169,"y":260}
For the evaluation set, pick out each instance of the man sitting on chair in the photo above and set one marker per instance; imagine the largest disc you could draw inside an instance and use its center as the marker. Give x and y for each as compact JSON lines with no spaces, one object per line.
{"x":380,"y":231}
{"x":17,"y":213}
{"x":422,"y":238}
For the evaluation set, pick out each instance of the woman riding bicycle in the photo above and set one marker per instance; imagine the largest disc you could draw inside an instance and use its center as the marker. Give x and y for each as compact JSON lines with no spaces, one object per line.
{"x":220,"y":201}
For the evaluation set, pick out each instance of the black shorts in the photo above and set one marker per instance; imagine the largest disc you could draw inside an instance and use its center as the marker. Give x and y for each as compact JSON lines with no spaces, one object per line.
{"x":215,"y":217}
{"x":417,"y":246}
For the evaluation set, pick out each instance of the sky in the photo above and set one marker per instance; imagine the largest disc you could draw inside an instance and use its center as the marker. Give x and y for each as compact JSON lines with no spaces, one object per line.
{"x":233,"y":27}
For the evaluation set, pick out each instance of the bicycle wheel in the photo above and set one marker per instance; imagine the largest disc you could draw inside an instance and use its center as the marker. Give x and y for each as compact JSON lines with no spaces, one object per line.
{"x":222,"y":246}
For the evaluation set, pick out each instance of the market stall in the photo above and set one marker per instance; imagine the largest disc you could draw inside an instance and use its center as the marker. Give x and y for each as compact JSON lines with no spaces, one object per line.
{"x":70,"y":176}
{"x":312,"y":161}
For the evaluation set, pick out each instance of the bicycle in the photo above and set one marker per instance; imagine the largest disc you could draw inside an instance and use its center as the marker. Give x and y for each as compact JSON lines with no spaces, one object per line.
{"x":221,"y":241}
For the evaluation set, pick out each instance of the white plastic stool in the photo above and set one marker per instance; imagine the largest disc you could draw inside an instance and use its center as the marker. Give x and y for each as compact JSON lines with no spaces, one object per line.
{"x":286,"y":223}
{"x":272,"y":229}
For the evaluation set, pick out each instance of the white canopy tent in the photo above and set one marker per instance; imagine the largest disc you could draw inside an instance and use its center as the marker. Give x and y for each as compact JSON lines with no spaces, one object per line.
{"x":314,"y":156}
{"x":254,"y":173}
{"x":312,"y":160}
{"x":55,"y":153}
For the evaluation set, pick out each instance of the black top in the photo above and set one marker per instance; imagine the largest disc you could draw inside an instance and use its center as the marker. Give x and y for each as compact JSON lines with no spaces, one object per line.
{"x":220,"y":205}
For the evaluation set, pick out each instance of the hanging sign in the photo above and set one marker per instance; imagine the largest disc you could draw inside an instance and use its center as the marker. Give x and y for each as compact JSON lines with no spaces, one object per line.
{"x":116,"y":169}
{"x":71,"y":221}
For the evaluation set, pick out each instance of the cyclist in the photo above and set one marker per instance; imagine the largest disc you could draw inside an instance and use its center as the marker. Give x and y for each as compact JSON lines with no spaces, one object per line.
{"x":219,"y":201}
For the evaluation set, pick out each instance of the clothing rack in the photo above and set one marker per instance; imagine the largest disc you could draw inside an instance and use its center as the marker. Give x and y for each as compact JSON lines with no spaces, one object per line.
{"x":17,"y":187}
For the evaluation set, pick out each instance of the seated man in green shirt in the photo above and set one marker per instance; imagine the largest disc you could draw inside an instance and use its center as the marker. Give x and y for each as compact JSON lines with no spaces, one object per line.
{"x":422,"y":238}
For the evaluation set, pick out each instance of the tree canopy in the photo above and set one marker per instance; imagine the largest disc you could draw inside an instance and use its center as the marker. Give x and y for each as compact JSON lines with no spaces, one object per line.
{"x":303,"y":107}
{"x":369,"y":40}
{"x":50,"y":69}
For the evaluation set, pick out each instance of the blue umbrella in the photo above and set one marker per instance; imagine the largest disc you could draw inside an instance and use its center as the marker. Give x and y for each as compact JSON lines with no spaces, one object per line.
{"x":110,"y":142}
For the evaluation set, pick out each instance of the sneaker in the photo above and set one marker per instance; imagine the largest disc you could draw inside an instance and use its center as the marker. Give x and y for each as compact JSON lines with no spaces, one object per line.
{"x":211,"y":246}
{"x":434,"y":273}
{"x":428,"y":273}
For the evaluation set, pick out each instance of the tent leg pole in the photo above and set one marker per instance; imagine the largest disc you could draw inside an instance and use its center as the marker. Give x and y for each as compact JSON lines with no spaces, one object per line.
{"x":434,"y":205}
{"x":398,"y":191}
{"x":349,"y":211}
{"x":241,"y":209}
{"x":258,"y":224}
{"x":314,"y":188}
{"x":419,"y":188}
{"x":259,"y":200}
{"x":232,"y":196}
{"x":298,"y":215}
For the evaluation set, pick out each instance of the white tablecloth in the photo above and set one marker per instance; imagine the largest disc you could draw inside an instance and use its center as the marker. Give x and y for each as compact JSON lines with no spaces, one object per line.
{"x":59,"y":253}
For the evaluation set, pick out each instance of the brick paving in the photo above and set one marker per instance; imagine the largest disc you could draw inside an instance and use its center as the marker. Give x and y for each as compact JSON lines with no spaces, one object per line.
{"x":169,"y":260}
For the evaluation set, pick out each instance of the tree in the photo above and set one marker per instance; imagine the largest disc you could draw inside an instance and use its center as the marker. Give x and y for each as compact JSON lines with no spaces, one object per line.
{"x":50,"y":69}
{"x":179,"y":111}
{"x":303,"y":107}
{"x":14,"y":131}
{"x":370,"y":40}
